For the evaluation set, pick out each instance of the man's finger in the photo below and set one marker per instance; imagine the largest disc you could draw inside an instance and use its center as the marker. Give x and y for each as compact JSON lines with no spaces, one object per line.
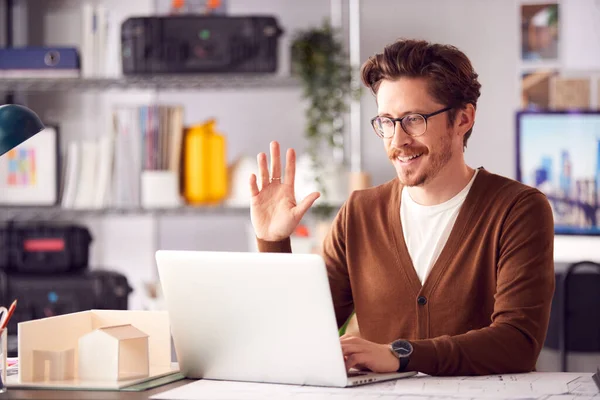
{"x":290,"y":167}
{"x":305,"y":204}
{"x":354,"y":361}
{"x":253,"y":186}
{"x":350,"y":362}
{"x":351,"y":339}
{"x":275,"y":161}
{"x":349,"y":349}
{"x":263,"y":170}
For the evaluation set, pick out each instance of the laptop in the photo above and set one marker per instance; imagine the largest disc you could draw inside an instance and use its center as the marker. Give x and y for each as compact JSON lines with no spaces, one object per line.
{"x":255,"y":317}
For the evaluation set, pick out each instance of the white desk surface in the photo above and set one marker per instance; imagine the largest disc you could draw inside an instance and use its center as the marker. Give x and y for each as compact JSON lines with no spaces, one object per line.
{"x":535,"y":385}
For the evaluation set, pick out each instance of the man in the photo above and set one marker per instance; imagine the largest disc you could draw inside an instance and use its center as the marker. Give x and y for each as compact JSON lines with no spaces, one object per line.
{"x":448,"y":268}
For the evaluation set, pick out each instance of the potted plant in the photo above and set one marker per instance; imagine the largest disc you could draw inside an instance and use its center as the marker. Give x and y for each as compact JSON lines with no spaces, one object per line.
{"x":319,"y":61}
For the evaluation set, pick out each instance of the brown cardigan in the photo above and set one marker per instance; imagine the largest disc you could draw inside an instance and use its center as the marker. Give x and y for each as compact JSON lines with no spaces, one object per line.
{"x":485,"y":306}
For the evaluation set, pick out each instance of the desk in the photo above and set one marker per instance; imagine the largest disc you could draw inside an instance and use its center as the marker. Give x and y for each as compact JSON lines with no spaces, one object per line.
{"x":579,"y":386}
{"x":87,"y":395}
{"x":532,"y":386}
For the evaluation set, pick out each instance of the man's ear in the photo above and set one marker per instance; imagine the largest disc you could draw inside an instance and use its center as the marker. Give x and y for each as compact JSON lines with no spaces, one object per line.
{"x":465,"y":118}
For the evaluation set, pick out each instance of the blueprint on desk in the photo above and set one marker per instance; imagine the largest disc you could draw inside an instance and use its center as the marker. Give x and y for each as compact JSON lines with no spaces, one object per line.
{"x":535,"y":385}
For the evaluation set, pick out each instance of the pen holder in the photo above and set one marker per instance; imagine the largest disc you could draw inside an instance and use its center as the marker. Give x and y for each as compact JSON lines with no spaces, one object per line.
{"x":3,"y":359}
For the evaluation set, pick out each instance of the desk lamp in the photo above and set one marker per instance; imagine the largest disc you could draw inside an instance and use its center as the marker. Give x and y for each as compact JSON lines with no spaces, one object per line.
{"x":17,"y":124}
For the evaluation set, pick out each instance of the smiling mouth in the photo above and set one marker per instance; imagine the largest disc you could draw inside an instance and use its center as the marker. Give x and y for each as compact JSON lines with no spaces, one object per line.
{"x":406,"y":159}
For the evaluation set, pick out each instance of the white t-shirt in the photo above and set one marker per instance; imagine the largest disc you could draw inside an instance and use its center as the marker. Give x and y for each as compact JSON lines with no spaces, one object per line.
{"x":427,"y":228}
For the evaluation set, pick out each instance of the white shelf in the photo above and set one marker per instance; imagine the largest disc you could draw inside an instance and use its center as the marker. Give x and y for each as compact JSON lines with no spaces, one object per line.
{"x":49,"y":212}
{"x":155,"y":82}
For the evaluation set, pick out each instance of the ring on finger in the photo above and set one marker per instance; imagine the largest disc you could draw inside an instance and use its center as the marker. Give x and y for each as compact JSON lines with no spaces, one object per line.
{"x":275,"y":179}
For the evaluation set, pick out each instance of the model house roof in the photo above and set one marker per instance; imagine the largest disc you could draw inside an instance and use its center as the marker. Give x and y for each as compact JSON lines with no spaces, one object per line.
{"x":123,"y":332}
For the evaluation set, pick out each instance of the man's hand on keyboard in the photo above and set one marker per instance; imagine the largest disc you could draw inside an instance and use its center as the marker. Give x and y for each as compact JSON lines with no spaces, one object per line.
{"x":362,"y":354}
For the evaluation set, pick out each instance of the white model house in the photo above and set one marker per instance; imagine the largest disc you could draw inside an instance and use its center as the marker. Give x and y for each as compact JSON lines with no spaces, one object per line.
{"x":113,"y":353}
{"x":134,"y":341}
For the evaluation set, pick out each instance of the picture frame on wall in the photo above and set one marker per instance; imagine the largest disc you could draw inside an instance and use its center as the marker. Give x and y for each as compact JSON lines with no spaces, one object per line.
{"x":570,"y":93}
{"x":535,"y":89}
{"x":29,"y":173}
{"x":540,"y":32}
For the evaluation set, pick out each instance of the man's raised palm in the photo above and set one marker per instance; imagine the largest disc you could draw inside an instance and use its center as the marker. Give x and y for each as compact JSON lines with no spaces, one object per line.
{"x":274,"y":212}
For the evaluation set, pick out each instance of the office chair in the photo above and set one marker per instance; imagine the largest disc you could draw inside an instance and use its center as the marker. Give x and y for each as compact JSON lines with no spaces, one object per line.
{"x":575,"y":315}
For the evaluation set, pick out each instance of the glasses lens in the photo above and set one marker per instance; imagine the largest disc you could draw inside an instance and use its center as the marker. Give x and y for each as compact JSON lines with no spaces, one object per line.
{"x":414,"y":124}
{"x":384,"y":126}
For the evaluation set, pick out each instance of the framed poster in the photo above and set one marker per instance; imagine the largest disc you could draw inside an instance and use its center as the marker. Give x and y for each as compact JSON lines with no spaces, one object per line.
{"x":535,"y":89}
{"x":570,"y":93}
{"x":539,"y":32}
{"x":29,"y":173}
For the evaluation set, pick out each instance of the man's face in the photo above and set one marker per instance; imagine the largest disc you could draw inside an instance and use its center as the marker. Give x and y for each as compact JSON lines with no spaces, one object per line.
{"x":433,"y":149}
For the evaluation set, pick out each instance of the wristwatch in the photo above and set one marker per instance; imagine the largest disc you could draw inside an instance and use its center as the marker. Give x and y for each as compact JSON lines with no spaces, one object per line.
{"x":402,"y":349}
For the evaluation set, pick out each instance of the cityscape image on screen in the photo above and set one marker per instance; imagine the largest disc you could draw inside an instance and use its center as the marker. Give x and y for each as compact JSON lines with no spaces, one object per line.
{"x":559,"y":153}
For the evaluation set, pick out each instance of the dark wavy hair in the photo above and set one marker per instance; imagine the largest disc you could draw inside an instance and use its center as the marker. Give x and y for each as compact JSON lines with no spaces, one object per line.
{"x":452,"y":79}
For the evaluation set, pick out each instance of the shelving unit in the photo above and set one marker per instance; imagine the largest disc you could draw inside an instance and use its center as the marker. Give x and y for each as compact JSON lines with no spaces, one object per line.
{"x":153,"y":82}
{"x":252,"y":109}
{"x":45,"y":213}
{"x":50,"y":212}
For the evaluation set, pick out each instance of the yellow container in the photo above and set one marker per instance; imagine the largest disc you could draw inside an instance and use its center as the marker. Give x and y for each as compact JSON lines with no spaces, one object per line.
{"x":205,"y":164}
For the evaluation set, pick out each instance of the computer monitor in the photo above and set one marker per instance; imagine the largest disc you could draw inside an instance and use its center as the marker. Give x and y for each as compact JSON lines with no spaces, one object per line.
{"x":558,"y":152}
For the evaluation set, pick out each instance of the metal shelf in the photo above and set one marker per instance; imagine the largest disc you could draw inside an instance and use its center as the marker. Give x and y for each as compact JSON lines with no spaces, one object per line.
{"x":48,"y":213}
{"x":155,"y":82}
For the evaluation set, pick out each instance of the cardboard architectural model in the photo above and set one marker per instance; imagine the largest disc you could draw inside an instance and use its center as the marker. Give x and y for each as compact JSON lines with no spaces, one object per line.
{"x":121,"y":350}
{"x":53,"y":365}
{"x":96,"y":349}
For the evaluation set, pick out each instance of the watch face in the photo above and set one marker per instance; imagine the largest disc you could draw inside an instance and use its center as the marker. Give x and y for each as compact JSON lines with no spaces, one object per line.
{"x":402,"y":348}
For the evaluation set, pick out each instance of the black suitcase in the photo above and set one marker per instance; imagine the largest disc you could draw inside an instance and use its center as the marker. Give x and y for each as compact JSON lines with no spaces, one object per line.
{"x":47,"y":295}
{"x":44,"y":247}
{"x":176,"y":44}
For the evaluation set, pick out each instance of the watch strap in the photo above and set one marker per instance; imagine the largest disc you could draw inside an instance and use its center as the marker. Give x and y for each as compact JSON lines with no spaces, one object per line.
{"x":403,"y":364}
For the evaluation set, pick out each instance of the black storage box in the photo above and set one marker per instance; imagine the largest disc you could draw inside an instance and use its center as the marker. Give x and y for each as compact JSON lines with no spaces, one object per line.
{"x":44,"y":247}
{"x":47,"y":295}
{"x":199,"y":44}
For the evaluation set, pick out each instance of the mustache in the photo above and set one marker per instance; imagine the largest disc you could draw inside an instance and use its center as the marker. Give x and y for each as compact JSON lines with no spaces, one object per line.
{"x":394,"y":152}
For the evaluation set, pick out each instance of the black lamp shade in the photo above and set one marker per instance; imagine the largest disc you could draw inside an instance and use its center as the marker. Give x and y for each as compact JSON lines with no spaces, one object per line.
{"x":17,"y":124}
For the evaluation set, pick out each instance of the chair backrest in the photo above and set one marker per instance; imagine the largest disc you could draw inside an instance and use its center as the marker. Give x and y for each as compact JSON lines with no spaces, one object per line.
{"x":575,"y":315}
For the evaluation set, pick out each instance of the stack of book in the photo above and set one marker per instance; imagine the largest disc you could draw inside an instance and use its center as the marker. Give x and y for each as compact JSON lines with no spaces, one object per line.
{"x":105,"y":173}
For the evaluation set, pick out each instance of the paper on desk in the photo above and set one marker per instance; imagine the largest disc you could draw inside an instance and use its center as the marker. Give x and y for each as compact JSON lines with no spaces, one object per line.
{"x":584,"y":386}
{"x":540,"y":386}
{"x":509,"y":386}
{"x":568,"y":397}
{"x":226,"y":390}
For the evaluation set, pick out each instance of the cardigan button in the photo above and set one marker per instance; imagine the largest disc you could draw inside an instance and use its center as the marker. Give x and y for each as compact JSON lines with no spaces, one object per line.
{"x":422,"y":300}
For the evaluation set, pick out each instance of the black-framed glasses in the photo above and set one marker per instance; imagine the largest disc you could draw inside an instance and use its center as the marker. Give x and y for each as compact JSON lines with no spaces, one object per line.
{"x":414,"y":124}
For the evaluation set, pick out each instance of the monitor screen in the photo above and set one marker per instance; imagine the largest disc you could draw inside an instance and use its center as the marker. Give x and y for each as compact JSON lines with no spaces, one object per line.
{"x":559,"y":153}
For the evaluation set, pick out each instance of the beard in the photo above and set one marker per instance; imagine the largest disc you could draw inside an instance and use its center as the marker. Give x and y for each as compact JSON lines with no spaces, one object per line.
{"x":429,"y":164}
